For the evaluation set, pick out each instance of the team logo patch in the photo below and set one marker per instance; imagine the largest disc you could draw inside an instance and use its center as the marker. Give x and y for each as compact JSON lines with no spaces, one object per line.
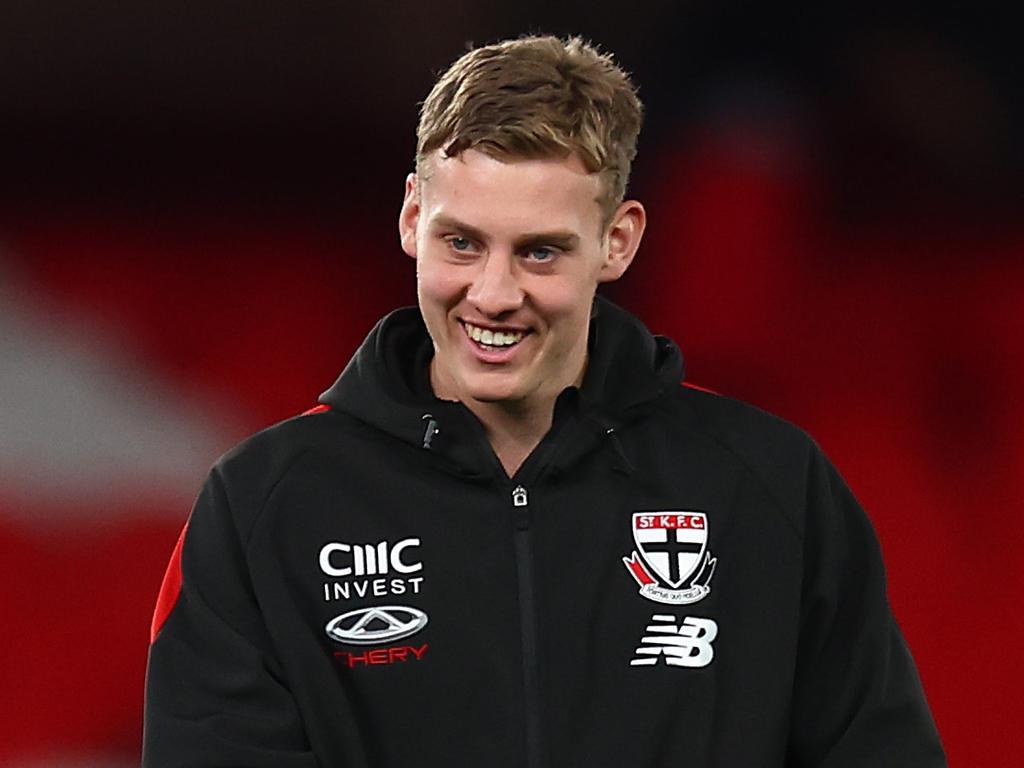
{"x":377,"y":624}
{"x":686,"y":644}
{"x":670,"y":548}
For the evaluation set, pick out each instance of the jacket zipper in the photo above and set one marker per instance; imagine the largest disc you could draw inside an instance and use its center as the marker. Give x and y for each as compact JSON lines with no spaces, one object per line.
{"x":528,"y":626}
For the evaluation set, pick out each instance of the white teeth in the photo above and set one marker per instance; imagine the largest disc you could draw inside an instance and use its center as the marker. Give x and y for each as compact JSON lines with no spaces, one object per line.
{"x":493,"y":338}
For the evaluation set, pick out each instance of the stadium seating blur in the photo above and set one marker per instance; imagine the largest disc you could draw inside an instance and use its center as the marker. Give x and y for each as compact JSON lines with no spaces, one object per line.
{"x":841,"y":287}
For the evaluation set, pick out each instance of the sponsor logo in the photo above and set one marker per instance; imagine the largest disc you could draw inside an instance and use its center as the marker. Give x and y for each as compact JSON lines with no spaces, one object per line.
{"x":378,"y":569}
{"x":378,"y":656}
{"x":340,"y":559}
{"x":678,"y":645}
{"x":376,"y":624}
{"x":670,"y":548}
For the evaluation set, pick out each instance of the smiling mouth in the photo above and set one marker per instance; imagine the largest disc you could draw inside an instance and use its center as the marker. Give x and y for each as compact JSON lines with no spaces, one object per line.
{"x":490,"y":340}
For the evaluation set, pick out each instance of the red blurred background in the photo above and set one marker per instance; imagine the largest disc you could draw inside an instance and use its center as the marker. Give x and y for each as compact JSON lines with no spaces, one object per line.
{"x":197,"y":227}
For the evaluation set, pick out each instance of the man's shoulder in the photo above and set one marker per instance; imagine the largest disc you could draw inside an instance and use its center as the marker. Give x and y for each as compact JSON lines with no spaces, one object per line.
{"x":736,"y":421}
{"x":773,"y":449}
{"x":256,"y":463}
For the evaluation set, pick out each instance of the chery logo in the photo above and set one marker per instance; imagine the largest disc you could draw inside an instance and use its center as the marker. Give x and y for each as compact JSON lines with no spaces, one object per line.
{"x":377,"y":624}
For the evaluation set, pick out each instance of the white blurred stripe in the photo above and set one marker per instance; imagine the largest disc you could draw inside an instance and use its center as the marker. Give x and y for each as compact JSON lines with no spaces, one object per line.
{"x":82,"y":419}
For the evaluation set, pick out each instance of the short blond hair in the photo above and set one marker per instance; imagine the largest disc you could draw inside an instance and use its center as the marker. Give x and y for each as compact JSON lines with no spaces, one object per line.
{"x":536,"y":97}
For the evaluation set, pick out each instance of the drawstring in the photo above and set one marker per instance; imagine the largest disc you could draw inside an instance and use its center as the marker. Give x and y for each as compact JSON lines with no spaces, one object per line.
{"x":430,"y":431}
{"x":624,"y":464}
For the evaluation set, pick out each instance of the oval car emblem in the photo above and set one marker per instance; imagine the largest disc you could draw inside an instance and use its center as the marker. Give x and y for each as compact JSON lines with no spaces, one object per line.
{"x":377,"y":624}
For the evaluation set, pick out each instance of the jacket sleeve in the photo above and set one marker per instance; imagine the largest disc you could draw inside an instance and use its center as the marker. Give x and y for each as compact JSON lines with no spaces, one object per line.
{"x":215,"y":695}
{"x":858,"y":701}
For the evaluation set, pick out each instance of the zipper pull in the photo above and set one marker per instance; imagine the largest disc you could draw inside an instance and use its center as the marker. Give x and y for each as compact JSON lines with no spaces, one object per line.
{"x":519,"y":498}
{"x":522,"y":513}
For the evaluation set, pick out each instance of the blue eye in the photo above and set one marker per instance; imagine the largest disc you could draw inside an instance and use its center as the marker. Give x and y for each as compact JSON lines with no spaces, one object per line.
{"x":459,"y":243}
{"x":542,"y":254}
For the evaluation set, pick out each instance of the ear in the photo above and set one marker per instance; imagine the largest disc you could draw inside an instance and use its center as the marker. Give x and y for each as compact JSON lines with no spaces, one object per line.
{"x":409,"y":217}
{"x":623,"y":236}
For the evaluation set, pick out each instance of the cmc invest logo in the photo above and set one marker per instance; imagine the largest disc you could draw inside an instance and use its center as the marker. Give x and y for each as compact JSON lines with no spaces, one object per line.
{"x":340,"y":559}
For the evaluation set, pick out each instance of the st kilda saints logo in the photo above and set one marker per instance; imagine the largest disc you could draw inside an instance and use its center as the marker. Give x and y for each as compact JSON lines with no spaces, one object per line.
{"x":671,"y":547}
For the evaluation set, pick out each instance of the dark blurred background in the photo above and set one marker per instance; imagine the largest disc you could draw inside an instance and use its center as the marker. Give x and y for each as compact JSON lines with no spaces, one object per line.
{"x":198,"y":208}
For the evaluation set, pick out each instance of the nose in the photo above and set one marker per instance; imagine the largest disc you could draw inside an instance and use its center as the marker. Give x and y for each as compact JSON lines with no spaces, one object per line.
{"x":495,"y":289}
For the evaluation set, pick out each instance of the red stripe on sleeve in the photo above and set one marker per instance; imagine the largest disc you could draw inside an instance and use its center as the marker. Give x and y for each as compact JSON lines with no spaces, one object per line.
{"x":169,"y":589}
{"x":317,"y":409}
{"x":699,"y":388}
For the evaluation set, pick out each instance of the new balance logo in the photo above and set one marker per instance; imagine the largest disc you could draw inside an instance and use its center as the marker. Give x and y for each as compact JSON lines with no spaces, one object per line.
{"x":678,"y":645}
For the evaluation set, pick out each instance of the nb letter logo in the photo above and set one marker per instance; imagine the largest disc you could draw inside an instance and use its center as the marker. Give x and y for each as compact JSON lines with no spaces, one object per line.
{"x":678,"y":645}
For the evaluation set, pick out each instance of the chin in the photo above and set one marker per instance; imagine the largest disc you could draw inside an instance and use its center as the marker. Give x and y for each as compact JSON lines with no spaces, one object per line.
{"x":493,"y":392}
{"x":492,"y":395}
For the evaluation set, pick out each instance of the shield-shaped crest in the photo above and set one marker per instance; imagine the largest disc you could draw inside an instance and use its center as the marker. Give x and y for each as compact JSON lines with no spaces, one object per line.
{"x":671,"y":543}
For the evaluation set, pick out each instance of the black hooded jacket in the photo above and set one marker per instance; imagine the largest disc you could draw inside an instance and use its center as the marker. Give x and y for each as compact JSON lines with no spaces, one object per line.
{"x":672,"y":578}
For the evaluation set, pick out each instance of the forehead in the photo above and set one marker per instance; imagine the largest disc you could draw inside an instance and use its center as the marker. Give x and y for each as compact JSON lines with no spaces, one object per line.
{"x":511,"y":194}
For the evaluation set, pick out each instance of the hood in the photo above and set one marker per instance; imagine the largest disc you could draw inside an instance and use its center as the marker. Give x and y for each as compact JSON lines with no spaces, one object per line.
{"x":386,"y":384}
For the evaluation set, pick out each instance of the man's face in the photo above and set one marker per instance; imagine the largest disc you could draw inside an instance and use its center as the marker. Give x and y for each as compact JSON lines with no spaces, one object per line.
{"x":509,"y":255}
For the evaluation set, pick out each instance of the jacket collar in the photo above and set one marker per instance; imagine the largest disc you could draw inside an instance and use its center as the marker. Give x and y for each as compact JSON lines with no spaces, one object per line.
{"x":386,"y":385}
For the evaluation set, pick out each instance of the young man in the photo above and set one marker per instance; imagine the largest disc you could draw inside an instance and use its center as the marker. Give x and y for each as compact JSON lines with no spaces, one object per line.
{"x":509,"y":537}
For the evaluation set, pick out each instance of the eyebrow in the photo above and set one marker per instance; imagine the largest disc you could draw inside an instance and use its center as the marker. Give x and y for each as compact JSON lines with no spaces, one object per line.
{"x":564,"y":239}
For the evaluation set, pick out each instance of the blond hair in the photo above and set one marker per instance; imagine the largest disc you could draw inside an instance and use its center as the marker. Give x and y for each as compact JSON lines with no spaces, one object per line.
{"x":536,"y":97}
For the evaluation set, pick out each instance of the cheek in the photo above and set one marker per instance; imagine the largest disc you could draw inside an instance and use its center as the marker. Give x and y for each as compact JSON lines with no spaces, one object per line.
{"x":438,"y":282}
{"x":572,"y":309}
{"x":565,"y":298}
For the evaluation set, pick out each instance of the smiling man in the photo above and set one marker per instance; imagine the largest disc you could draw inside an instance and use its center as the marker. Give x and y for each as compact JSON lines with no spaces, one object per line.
{"x":509,"y":536}
{"x":509,"y":252}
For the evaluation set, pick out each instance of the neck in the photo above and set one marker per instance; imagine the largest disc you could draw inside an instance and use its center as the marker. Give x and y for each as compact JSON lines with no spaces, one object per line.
{"x":512,"y":431}
{"x":513,"y":427}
